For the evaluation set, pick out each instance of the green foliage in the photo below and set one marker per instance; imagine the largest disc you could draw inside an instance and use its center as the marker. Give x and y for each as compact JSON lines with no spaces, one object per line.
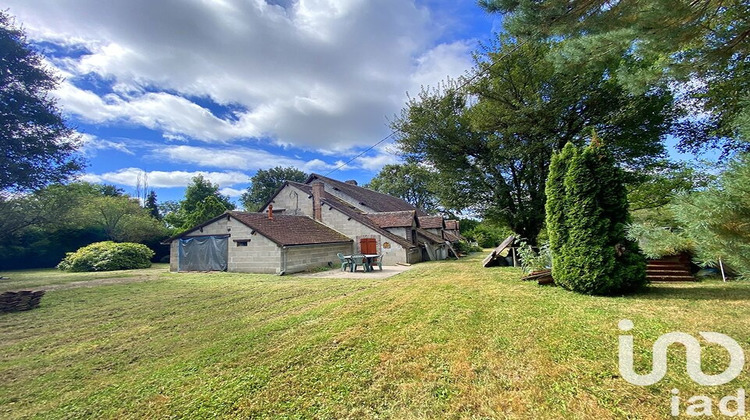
{"x":492,"y":153}
{"x":556,"y":206}
{"x":412,"y":182}
{"x":657,"y":187}
{"x":265,"y":183}
{"x":194,"y":209}
{"x":532,"y":260}
{"x":38,"y":147}
{"x":36,"y":230}
{"x":700,"y":47}
{"x":121,"y":218}
{"x":207,"y":209}
{"x":487,"y":234}
{"x":465,"y":248}
{"x":717,"y":219}
{"x":587,"y":213}
{"x":107,"y":256}
{"x":656,"y":240}
{"x":152,"y":206}
{"x":199,"y":190}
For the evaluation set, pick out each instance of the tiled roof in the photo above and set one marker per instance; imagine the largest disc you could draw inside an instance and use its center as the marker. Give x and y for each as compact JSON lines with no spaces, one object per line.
{"x":287,"y":230}
{"x":430,"y":236}
{"x":451,"y":225}
{"x":452,"y":237}
{"x":431,"y":222}
{"x":378,"y":202}
{"x":393,"y":219}
{"x":354,"y":213}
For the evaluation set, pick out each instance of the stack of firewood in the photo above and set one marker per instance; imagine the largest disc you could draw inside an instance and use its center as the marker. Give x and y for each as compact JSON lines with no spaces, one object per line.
{"x":541,"y":276}
{"x":20,"y":301}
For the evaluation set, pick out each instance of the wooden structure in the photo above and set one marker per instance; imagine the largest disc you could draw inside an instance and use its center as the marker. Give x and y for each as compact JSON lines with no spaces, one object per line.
{"x":492,"y":260}
{"x":542,"y":277}
{"x":20,"y":301}
{"x":671,"y":268}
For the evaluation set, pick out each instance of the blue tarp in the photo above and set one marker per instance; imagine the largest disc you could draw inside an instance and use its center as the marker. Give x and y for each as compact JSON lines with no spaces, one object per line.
{"x":203,"y":253}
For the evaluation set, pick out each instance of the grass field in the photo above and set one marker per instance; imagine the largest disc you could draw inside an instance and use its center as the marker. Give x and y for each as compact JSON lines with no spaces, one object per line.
{"x":443,"y":340}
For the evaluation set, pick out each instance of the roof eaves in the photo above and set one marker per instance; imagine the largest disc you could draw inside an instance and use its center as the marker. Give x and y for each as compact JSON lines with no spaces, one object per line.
{"x":431,"y":236}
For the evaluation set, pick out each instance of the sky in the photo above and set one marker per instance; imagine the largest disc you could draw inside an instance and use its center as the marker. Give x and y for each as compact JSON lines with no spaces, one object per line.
{"x":173,"y":88}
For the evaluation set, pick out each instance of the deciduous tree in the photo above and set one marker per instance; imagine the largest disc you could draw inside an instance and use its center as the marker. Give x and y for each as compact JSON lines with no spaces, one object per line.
{"x":38,"y":148}
{"x":411,"y":182}
{"x":192,"y":209}
{"x":265,"y":182}
{"x":492,"y":146}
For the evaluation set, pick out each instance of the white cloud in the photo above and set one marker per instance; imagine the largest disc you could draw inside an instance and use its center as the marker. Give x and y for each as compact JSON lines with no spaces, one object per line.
{"x":166,"y":179}
{"x":314,"y":74}
{"x":242,"y":158}
{"x":91,"y":144}
{"x":231,"y":192}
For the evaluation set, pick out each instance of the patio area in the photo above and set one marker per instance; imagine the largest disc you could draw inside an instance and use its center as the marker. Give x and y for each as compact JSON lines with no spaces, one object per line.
{"x":336,"y":273}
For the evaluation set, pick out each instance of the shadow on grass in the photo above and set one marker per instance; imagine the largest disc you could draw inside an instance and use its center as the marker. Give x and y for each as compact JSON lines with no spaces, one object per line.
{"x":694,"y":291}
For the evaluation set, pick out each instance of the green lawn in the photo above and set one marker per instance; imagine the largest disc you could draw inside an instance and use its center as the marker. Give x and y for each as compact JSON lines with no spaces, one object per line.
{"x":30,"y":279}
{"x":443,"y":340}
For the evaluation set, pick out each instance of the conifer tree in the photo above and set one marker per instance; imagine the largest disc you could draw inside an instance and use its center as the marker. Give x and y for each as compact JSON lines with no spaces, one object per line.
{"x":587,"y":211}
{"x":555,"y":205}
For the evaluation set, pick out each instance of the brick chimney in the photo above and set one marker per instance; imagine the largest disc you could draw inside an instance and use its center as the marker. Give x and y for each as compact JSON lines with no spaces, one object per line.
{"x":270,"y":211}
{"x":317,"y":193}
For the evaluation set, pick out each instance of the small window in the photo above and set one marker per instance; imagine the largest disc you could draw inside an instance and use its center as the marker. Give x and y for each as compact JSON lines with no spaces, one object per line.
{"x":242,"y":243}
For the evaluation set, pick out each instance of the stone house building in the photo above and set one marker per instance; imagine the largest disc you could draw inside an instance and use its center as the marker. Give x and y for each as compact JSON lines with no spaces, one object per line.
{"x":306,"y":224}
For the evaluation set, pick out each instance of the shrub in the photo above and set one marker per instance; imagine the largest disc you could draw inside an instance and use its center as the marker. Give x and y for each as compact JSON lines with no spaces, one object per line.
{"x":107,"y":256}
{"x":488,"y":235}
{"x":532,"y":260}
{"x":587,"y":211}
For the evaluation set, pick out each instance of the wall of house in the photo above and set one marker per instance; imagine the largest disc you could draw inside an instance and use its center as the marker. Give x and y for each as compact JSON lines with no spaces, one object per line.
{"x":402,"y":232}
{"x":261,"y":255}
{"x":300,"y":258}
{"x":294,"y":201}
{"x":173,"y":255}
{"x":392,"y":254}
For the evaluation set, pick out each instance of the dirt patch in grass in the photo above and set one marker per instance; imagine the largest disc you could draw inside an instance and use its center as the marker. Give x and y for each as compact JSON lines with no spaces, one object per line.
{"x":95,"y":283}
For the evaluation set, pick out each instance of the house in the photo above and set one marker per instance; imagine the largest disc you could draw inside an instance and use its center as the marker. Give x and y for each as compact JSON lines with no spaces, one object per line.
{"x":257,"y":243}
{"x":346,"y":215}
{"x":306,"y":224}
{"x":452,"y":231}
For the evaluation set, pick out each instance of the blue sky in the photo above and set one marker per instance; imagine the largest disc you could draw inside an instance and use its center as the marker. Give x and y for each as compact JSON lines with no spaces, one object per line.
{"x":227,"y":87}
{"x":173,"y":88}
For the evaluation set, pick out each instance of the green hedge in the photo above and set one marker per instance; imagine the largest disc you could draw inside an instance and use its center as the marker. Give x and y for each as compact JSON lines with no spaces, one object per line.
{"x":107,"y":256}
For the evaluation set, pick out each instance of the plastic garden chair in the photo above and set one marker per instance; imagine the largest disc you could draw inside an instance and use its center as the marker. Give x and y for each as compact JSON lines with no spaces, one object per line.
{"x":358,"y":260}
{"x":379,"y":261}
{"x":345,"y":262}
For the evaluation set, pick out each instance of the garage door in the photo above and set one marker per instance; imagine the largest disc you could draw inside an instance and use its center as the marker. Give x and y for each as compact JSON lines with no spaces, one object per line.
{"x":203,"y":253}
